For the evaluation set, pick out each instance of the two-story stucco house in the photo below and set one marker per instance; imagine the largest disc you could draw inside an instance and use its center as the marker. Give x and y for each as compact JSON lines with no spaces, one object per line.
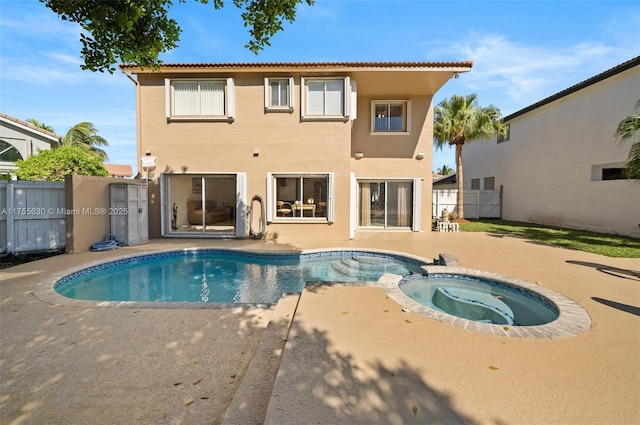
{"x":332,"y":149}
{"x":560,"y":164}
{"x":19,"y":140}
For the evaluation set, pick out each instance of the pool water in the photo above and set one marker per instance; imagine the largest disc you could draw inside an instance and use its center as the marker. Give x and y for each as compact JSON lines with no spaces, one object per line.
{"x":224,"y":276}
{"x":480,"y":299}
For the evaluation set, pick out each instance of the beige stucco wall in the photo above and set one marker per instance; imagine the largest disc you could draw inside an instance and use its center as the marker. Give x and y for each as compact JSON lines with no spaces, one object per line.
{"x":546,"y":167}
{"x":87,"y":204}
{"x":285,"y":143}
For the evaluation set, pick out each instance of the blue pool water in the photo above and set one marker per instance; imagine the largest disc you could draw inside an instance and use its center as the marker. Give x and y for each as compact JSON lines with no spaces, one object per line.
{"x":225,"y":276}
{"x":480,"y":300}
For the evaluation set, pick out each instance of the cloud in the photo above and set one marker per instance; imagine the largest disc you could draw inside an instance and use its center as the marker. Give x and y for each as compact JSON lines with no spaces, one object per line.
{"x":523,"y":70}
{"x":515,"y":74}
{"x":41,"y":23}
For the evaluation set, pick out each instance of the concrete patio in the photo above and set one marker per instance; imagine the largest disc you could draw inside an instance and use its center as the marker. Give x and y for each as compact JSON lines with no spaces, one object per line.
{"x":333,"y":355}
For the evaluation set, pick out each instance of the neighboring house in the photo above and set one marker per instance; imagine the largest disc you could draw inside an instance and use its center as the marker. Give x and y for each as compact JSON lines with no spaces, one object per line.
{"x":560,"y":164}
{"x":20,"y":140}
{"x":445,"y":182}
{"x":331,"y":148}
{"x":119,"y":170}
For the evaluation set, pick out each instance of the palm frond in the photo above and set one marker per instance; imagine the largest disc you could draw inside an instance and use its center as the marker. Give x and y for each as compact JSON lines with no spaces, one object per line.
{"x":632,"y":167}
{"x":85,"y":136}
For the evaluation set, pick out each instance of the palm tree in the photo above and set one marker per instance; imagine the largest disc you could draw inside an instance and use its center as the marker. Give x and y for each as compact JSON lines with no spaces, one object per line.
{"x":445,"y":170}
{"x":629,"y":129}
{"x":461,"y":119}
{"x":85,"y":136}
{"x":40,"y":125}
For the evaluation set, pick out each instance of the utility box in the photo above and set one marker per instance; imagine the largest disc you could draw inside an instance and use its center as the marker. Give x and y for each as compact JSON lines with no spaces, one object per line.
{"x":128,"y":208}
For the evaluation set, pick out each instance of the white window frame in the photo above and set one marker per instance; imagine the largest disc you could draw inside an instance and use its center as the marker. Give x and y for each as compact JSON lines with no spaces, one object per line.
{"x":272,"y":193}
{"x":407,"y":116}
{"x":268,"y":107}
{"x":348,"y":95}
{"x":416,"y":205}
{"x":229,"y":101}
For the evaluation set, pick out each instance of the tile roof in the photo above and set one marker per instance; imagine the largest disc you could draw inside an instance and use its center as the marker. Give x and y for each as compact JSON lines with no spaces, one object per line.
{"x":463,"y":64}
{"x":586,"y":83}
{"x":30,"y":126}
{"x":119,"y":170}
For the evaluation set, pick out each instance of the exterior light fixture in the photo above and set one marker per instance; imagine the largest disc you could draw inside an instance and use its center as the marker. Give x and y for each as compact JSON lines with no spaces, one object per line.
{"x":359,"y":155}
{"x":420,"y":155}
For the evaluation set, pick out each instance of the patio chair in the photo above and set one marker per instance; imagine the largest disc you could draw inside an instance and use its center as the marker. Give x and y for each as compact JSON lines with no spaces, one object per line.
{"x":283,"y":209}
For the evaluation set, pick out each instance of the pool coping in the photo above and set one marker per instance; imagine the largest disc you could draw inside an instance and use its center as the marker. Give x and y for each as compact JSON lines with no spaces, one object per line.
{"x":572,"y":319}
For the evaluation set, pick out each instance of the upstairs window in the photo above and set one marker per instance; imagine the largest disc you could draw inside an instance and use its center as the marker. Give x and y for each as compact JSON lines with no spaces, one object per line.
{"x":475,"y":184}
{"x":489,"y":183}
{"x":390,"y":116}
{"x":506,"y":136}
{"x":278,"y":94}
{"x":326,"y":98}
{"x":609,"y":171}
{"x":199,"y":99}
{"x":614,"y":174}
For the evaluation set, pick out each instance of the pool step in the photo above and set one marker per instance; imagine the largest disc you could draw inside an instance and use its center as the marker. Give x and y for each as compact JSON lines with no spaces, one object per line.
{"x":473,"y":305}
{"x":370,"y":266}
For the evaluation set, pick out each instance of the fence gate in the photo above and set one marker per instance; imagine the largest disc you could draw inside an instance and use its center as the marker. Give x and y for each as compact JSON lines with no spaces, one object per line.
{"x":32,"y":216}
{"x":477,"y":203}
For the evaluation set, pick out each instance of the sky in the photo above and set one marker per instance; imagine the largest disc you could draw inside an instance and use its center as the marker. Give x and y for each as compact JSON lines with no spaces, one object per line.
{"x":523,"y":51}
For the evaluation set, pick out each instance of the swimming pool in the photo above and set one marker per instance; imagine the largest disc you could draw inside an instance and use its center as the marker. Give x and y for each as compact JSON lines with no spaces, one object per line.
{"x":226,"y":276}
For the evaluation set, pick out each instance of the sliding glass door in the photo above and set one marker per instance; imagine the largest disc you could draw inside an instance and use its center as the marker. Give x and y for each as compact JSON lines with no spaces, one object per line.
{"x":385,"y":204}
{"x":200,"y":204}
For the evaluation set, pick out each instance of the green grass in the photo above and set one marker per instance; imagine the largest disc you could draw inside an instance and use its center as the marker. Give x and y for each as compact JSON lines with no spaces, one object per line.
{"x":597,"y":243}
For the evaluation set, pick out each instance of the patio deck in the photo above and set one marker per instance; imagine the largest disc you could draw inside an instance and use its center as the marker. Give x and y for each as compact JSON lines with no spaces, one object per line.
{"x":352,"y":356}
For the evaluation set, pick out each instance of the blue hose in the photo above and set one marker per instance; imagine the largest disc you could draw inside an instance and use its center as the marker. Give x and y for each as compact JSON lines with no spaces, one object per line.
{"x":109,"y":244}
{"x":104,"y":246}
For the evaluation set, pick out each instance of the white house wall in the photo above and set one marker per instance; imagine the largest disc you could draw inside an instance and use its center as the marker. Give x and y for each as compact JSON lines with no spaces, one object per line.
{"x":549,"y":167}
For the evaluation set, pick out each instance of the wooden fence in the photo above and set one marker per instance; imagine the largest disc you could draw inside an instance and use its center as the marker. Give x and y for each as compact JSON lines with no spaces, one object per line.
{"x":477,"y":203}
{"x":32,"y":216}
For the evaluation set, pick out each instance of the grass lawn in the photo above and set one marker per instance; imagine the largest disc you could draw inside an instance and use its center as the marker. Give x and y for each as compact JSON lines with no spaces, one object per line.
{"x":597,"y":243}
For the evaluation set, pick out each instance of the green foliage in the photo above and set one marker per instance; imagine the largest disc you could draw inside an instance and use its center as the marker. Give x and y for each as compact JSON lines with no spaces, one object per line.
{"x":581,"y":240}
{"x":138,"y":31}
{"x":445,"y":170}
{"x":85,"y":136}
{"x":629,"y":131}
{"x":55,"y":164}
{"x":462,"y":119}
{"x":40,"y":125}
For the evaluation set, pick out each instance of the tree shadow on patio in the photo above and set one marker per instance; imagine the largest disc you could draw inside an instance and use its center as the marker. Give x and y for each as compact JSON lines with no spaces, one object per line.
{"x":619,"y":306}
{"x":612,"y":271}
{"x":335,"y":388}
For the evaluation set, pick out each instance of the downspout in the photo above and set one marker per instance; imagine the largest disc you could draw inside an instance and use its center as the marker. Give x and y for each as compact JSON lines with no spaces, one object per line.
{"x":138,"y":127}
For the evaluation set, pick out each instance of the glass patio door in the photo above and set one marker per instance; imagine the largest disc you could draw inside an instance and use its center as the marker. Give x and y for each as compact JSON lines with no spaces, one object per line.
{"x":200,"y":204}
{"x":385,"y":204}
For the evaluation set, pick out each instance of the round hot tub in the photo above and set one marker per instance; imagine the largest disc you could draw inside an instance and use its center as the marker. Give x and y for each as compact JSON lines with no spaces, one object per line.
{"x":487,"y":302}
